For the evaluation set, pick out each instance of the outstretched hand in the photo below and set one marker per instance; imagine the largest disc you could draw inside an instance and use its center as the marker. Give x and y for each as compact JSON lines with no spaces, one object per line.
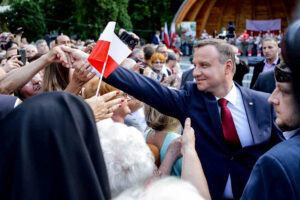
{"x":75,"y":55}
{"x":57,"y":55}
{"x":103,"y":107}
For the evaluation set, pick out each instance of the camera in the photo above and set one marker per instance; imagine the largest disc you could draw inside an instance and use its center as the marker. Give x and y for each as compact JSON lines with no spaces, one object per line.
{"x":19,"y":30}
{"x":128,"y":39}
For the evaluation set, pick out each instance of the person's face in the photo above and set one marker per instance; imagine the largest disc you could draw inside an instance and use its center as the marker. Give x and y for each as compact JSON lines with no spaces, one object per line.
{"x":33,"y":87}
{"x":163,"y":51}
{"x":43,"y":48}
{"x":285,"y":106}
{"x":141,"y":57}
{"x":63,"y":40}
{"x":270,"y":49}
{"x":158,"y":65}
{"x":171,"y":63}
{"x":209,"y":73}
{"x":11,"y":53}
{"x":30,"y":51}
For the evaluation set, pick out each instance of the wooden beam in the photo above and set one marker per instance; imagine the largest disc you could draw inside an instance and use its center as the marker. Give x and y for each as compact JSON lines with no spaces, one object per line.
{"x":207,"y":13}
{"x":288,"y":16}
{"x":221,"y":17}
{"x":197,"y":8}
{"x":184,"y":10}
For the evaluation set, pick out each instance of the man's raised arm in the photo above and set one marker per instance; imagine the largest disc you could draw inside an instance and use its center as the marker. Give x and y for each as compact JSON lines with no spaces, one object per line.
{"x":168,"y":101}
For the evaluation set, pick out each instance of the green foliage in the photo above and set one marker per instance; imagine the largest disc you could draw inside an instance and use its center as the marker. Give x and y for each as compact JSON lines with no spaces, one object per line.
{"x":150,"y":15}
{"x":87,"y":18}
{"x":26,"y":14}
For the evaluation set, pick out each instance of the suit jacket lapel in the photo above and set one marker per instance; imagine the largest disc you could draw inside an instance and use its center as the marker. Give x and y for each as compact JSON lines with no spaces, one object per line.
{"x":250,"y":108}
{"x":212,"y":109}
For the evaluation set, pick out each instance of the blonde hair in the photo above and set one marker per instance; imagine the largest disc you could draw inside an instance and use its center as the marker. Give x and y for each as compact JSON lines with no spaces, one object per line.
{"x":56,"y":77}
{"x":157,"y":120}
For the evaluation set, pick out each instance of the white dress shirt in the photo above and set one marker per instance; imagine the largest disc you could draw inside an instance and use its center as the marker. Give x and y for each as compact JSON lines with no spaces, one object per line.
{"x":237,"y":109}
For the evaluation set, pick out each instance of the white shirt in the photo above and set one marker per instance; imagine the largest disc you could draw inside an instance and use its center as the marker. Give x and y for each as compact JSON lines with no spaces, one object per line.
{"x":238,"y":112}
{"x":288,"y":134}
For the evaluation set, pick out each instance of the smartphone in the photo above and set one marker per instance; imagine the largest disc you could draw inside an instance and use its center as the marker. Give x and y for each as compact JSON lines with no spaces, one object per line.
{"x":22,"y":58}
{"x":128,"y":39}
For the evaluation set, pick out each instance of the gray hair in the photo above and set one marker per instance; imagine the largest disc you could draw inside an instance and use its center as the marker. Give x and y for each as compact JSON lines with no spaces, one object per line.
{"x":129,"y":160}
{"x":31,"y":45}
{"x":135,"y":54}
{"x":39,"y":42}
{"x":161,"y":189}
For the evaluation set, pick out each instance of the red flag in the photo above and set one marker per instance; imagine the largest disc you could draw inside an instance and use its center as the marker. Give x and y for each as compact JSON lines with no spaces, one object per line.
{"x":166,"y":36}
{"x":109,"y":51}
{"x":173,"y":31}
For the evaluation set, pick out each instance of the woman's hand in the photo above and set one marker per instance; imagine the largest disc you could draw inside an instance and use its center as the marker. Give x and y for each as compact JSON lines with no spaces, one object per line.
{"x":103,"y":107}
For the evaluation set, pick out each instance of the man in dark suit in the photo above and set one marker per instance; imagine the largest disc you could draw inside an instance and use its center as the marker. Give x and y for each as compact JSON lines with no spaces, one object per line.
{"x":265,"y":82}
{"x":228,"y":146}
{"x":276,"y":174}
{"x":186,"y":76}
{"x":270,"y":50}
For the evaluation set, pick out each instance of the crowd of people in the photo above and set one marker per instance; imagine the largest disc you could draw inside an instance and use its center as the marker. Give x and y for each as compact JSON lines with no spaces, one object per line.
{"x":153,"y":132}
{"x":249,"y":43}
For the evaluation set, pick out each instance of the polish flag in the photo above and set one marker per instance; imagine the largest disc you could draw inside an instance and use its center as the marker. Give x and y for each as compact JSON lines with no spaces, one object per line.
{"x":173,"y":31}
{"x":166,"y":36}
{"x":109,"y":51}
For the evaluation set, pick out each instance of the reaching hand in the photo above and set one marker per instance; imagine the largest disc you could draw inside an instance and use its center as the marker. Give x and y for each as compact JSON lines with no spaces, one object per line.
{"x":188,"y":136}
{"x":83,"y":73}
{"x":103,"y":107}
{"x":76,"y":55}
{"x":57,"y":55}
{"x":12,"y":64}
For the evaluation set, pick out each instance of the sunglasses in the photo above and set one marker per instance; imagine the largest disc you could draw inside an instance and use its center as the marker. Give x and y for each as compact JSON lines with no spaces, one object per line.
{"x":158,"y":62}
{"x":282,"y":75}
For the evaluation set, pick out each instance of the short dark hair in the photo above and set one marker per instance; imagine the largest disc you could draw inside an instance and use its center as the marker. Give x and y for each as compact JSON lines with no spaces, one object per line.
{"x":225,"y":50}
{"x":148,"y":51}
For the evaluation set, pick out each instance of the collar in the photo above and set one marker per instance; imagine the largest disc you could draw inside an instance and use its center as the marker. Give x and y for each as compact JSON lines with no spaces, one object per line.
{"x":231,"y":96}
{"x":274,"y":62}
{"x":289,"y":134}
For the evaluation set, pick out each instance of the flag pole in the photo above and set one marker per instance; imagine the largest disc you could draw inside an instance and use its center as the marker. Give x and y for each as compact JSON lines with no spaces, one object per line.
{"x":100,"y":79}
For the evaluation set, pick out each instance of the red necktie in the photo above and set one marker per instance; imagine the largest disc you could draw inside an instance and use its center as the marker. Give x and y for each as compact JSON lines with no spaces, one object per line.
{"x":229,"y":131}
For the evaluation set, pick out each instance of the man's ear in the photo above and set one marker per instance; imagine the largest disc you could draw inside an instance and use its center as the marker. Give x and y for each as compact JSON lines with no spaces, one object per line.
{"x":228,"y":67}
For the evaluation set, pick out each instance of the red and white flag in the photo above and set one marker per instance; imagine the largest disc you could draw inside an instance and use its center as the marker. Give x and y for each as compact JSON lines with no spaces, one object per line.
{"x":109,"y":51}
{"x":173,"y":31}
{"x":166,"y":35}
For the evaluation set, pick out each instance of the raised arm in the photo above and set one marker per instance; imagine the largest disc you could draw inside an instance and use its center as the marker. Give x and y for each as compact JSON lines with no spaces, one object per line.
{"x":170,"y":102}
{"x":167,"y":101}
{"x":192,"y":170}
{"x":19,"y":77}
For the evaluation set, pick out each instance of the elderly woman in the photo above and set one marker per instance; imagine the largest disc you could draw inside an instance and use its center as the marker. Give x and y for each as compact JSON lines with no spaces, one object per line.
{"x":128,"y":159}
{"x":161,"y":133}
{"x":157,"y":62}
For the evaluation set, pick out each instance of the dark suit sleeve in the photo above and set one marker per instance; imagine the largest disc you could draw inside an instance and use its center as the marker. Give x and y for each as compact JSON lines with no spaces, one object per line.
{"x":258,"y":68}
{"x":268,"y":180}
{"x":257,"y":85}
{"x":168,"y":101}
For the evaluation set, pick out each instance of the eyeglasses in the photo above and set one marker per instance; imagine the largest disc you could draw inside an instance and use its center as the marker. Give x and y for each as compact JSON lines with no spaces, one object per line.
{"x":158,"y":62}
{"x":282,"y":75}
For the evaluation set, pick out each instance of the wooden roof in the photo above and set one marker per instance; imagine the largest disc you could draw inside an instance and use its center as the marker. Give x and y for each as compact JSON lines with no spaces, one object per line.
{"x":215,"y":14}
